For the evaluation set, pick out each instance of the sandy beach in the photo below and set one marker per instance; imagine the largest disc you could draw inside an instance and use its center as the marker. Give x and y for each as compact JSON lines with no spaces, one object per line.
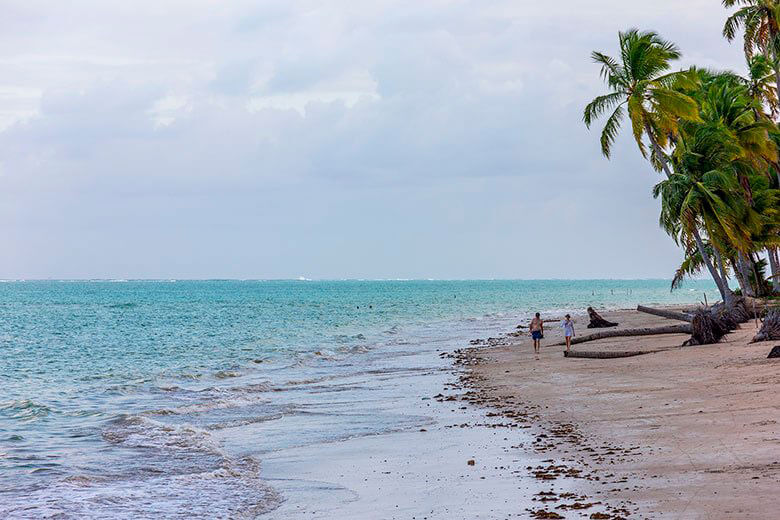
{"x":683,"y":433}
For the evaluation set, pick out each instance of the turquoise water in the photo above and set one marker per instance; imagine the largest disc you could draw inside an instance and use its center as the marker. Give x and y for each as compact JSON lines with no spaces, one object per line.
{"x":121,"y":396}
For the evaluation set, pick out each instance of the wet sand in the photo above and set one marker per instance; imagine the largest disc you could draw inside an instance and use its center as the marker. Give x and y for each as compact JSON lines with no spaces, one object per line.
{"x":683,"y":433}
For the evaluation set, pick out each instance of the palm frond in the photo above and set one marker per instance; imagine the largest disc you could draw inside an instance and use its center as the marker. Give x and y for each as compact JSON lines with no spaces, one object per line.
{"x":600,"y":105}
{"x":610,"y":131}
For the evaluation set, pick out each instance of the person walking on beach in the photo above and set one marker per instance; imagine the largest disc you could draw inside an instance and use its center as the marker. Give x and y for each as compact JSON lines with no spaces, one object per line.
{"x":537,"y":331}
{"x":568,"y":330}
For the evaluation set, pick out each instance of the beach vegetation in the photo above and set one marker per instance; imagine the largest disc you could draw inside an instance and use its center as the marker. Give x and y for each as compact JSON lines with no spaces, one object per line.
{"x":714,"y":136}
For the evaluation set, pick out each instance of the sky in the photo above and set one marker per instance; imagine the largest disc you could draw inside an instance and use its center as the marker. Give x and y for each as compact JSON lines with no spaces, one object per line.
{"x":340,"y":139}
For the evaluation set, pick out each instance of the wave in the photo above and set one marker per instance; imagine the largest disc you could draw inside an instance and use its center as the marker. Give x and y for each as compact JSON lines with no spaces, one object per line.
{"x":237,"y":423}
{"x":343,"y":338}
{"x":24,"y":410}
{"x":356,"y":349}
{"x":129,"y":305}
{"x":137,"y":431}
{"x":220,"y":486}
{"x":213,"y":398}
{"x":224,"y":374}
{"x":207,"y":406}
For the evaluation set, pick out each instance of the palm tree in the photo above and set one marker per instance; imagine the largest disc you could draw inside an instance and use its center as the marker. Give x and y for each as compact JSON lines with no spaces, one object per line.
{"x":735,"y":136}
{"x":703,"y":206}
{"x":691,"y":266}
{"x":761,"y":22}
{"x":641,"y":86}
{"x":692,"y":204}
{"x":734,"y":104}
{"x":766,"y":204}
{"x":761,"y":85}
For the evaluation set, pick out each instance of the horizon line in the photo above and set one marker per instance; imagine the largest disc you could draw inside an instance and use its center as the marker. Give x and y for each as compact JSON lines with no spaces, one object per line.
{"x":303,"y":279}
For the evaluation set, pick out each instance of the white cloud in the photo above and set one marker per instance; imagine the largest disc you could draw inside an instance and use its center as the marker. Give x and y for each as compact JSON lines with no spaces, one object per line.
{"x":349,"y":88}
{"x":165,"y":110}
{"x":17,"y":103}
{"x":389,"y":138}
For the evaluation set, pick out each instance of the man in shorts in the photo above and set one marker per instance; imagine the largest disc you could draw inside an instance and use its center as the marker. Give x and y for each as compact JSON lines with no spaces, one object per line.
{"x":537,"y":331}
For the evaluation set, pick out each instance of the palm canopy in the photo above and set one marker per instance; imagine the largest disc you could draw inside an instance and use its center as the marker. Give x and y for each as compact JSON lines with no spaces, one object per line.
{"x":760,"y":20}
{"x":692,"y":201}
{"x":717,"y":160}
{"x":766,"y":204}
{"x":731,"y":106}
{"x":761,"y":83}
{"x":642,"y":88}
{"x":731,"y":115}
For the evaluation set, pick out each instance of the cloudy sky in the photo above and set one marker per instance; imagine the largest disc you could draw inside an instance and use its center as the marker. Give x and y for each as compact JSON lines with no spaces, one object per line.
{"x":326,"y":139}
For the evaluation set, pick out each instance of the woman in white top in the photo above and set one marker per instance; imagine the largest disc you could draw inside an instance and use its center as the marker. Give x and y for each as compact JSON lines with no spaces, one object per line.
{"x":568,"y":330}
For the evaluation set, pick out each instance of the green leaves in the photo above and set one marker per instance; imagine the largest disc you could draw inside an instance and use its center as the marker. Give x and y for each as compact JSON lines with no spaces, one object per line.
{"x":674,"y":103}
{"x":760,"y":20}
{"x":636,"y":112}
{"x":610,"y":131}
{"x":708,"y":131}
{"x":611,"y":72}
{"x":640,"y":79}
{"x":600,"y":105}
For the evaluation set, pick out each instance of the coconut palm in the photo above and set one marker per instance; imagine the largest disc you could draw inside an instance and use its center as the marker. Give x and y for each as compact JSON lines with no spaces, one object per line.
{"x":693,"y":204}
{"x":703,"y":206}
{"x":641,"y":87}
{"x":760,"y":20}
{"x":762,"y":74}
{"x":766,"y":204}
{"x":733,"y":136}
{"x":728,"y":104}
{"x":761,"y":84}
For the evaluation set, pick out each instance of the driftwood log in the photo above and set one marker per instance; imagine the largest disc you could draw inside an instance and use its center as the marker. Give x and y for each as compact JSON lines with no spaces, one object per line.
{"x":589,"y":354}
{"x":770,"y":328}
{"x":597,"y":322}
{"x":665,"y":313}
{"x":682,"y":328}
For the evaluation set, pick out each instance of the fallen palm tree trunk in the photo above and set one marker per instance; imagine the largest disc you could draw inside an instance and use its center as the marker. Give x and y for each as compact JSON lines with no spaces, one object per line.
{"x":742,"y":309}
{"x":708,"y":328}
{"x":710,"y":325}
{"x":665,"y":313}
{"x":683,"y":328}
{"x":770,"y":328}
{"x":597,"y":322}
{"x":590,"y":354}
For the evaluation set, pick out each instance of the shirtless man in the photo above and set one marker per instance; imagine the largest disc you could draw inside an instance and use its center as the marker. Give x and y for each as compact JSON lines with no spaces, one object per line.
{"x":537,"y":331}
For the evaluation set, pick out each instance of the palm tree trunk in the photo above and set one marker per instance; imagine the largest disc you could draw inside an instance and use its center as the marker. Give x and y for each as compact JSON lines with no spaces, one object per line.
{"x":777,"y":85}
{"x":744,"y":271}
{"x":761,"y":286}
{"x":659,"y":154}
{"x":774,"y":265}
{"x":774,"y":261}
{"x":777,"y":80}
{"x":728,"y":295}
{"x":743,"y":285}
{"x":708,"y":262}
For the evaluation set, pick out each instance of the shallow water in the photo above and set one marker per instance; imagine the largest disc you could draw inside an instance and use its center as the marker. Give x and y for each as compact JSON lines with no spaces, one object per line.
{"x":199,"y":398}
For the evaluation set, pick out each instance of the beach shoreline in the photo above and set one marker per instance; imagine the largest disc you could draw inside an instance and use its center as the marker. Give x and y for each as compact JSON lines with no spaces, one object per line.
{"x":682,"y":433}
{"x":360,"y":411}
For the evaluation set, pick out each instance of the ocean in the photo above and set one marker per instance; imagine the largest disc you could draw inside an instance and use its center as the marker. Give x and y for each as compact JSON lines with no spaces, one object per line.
{"x":182,"y":399}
